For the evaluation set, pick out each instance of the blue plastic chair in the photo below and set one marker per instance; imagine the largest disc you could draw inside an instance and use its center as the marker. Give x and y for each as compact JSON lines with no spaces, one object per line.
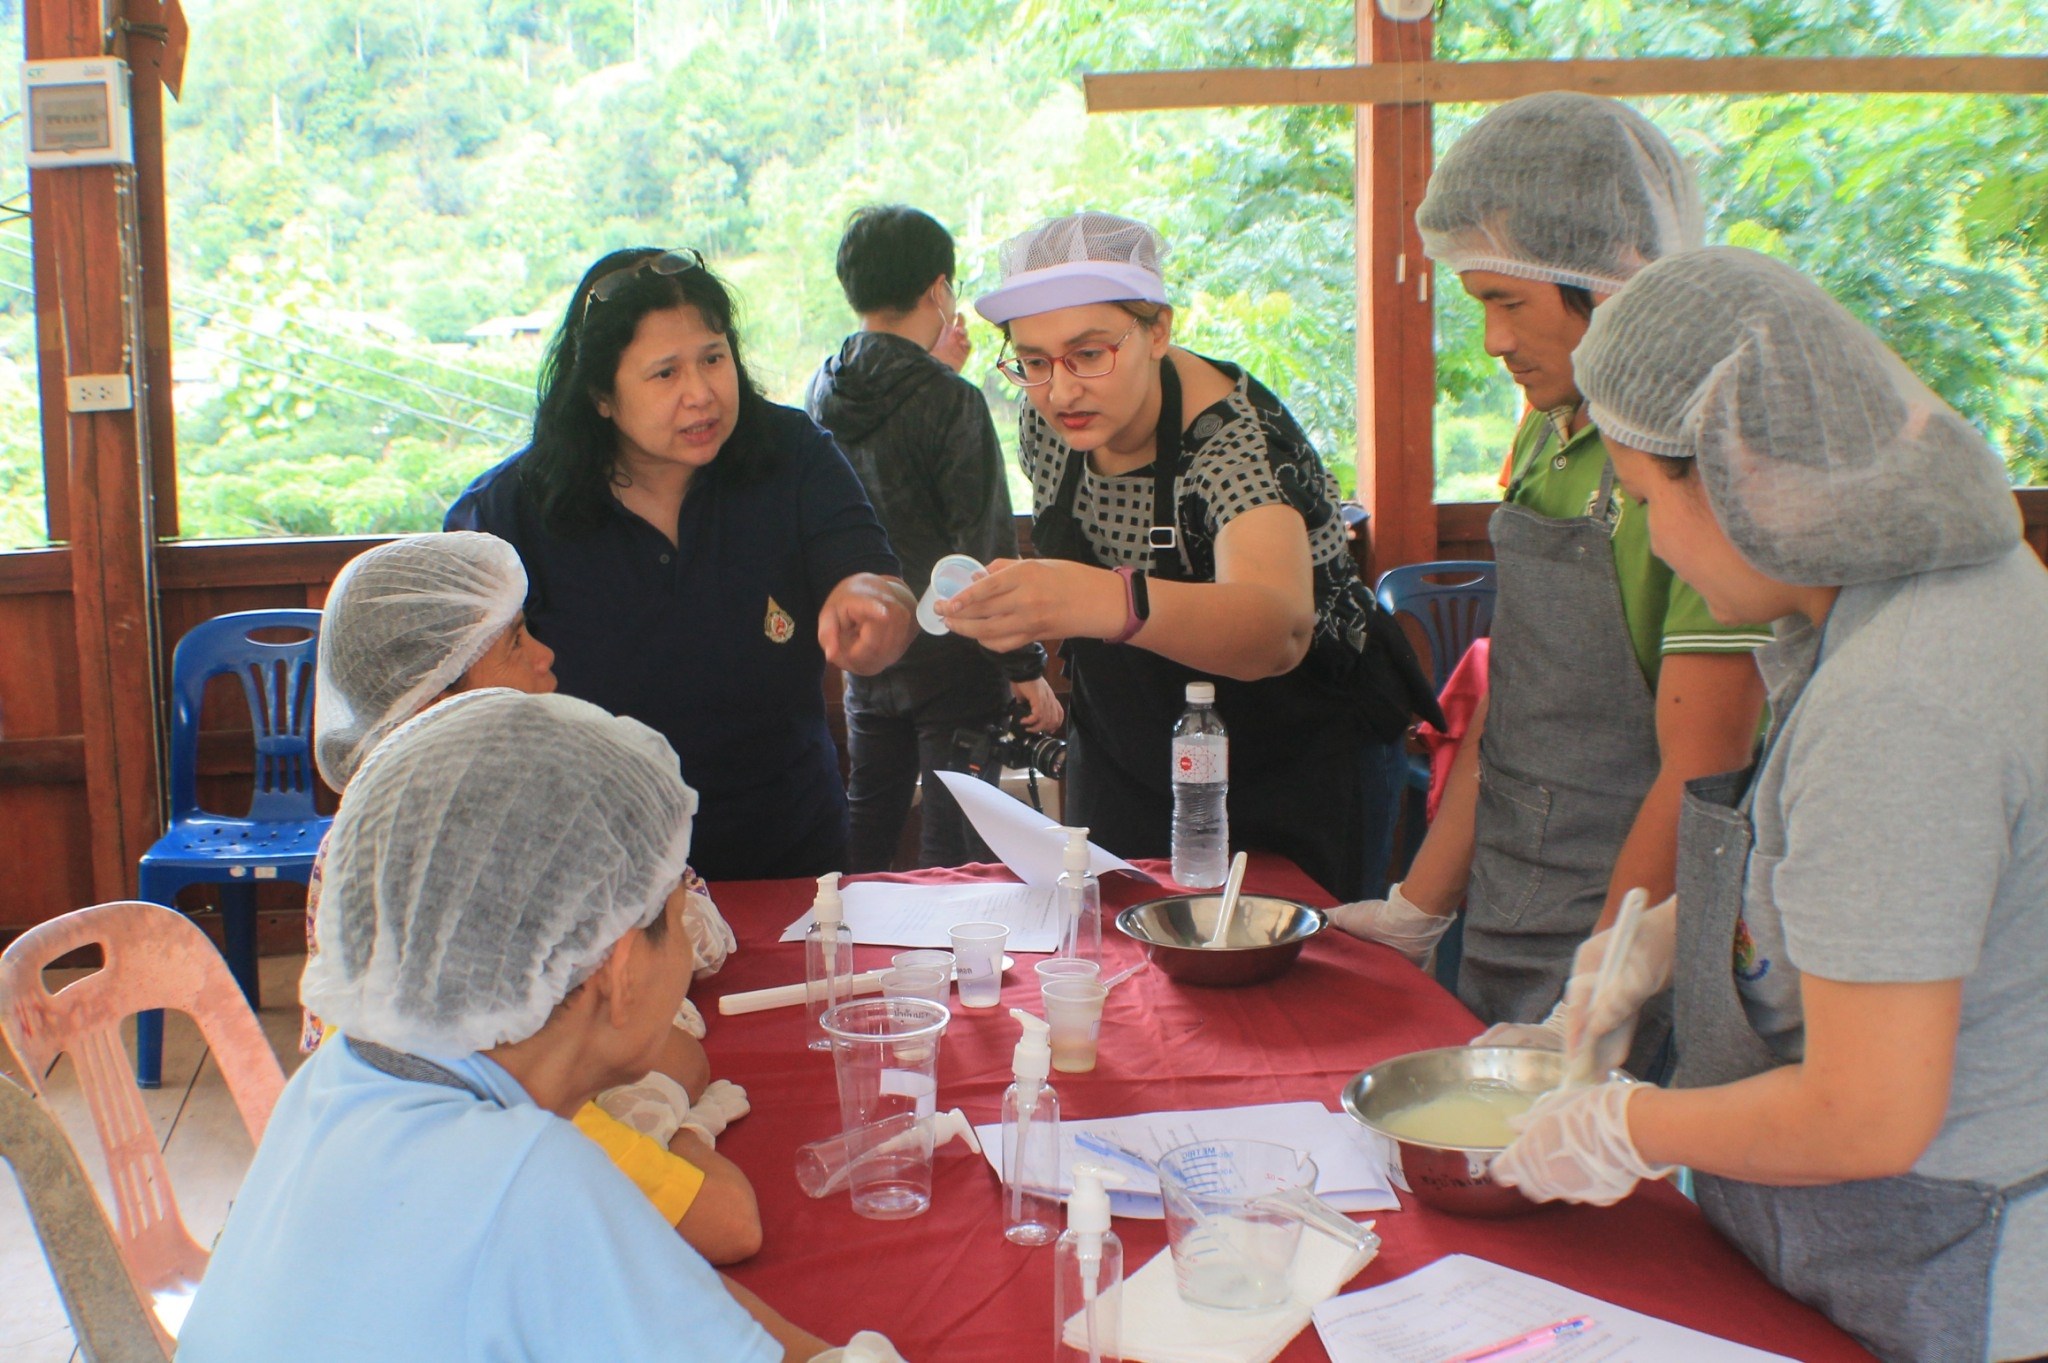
{"x":1453,"y":602}
{"x":282,"y":831}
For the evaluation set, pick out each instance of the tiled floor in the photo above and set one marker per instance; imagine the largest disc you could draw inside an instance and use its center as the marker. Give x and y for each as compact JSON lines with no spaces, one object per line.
{"x":205,"y":1150}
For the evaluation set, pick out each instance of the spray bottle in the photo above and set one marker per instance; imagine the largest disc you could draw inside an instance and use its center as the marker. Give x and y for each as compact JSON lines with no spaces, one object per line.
{"x":1088,"y":1275}
{"x":1079,"y":896}
{"x":1031,"y":1139}
{"x":828,"y":961}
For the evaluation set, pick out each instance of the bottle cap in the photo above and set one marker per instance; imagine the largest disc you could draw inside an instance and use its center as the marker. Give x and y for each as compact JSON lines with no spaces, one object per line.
{"x":826,"y":911}
{"x":1201,"y":693}
{"x":948,"y":1125}
{"x":1031,"y":1062}
{"x":1088,"y":1207}
{"x":1076,"y":856}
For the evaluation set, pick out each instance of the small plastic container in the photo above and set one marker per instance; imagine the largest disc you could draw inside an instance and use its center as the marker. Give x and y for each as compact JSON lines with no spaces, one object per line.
{"x":918,"y":982}
{"x":978,"y":963}
{"x":1073,"y":1008}
{"x":950,"y":576}
{"x":1067,"y":968}
{"x":828,"y":1166}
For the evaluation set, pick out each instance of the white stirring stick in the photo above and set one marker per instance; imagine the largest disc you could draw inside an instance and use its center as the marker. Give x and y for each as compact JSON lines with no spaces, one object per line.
{"x":1228,"y":909}
{"x":1578,"y":1068}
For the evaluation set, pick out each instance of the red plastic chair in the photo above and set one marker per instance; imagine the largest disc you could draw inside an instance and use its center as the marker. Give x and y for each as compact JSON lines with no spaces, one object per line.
{"x":155,"y":958}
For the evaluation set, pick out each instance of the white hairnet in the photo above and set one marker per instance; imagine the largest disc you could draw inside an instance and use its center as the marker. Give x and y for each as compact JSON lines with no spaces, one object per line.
{"x":488,"y":856}
{"x":1826,"y":461}
{"x":1564,"y":187}
{"x":1082,"y":258}
{"x":402,"y":623}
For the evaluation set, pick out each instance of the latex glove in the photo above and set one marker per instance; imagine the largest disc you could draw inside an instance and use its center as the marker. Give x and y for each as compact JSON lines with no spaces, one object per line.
{"x":723,"y":1103}
{"x":1547,"y":1035}
{"x":710,"y":937}
{"x":655,"y":1107}
{"x":1598,"y":1037}
{"x":1574,"y":1146}
{"x":865,"y":1347}
{"x":689,"y":1021}
{"x":1394,"y":921}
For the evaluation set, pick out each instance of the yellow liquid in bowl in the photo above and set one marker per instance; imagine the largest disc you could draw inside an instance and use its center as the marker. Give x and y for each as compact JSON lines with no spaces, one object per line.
{"x":1476,"y":1119}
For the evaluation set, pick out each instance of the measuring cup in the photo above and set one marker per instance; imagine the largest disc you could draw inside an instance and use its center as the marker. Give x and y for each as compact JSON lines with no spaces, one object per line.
{"x":1234,"y":1213}
{"x":950,"y":575}
{"x":886,"y":1054}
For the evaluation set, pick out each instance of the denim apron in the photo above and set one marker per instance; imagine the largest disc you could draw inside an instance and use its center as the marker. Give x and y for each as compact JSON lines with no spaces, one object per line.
{"x":1569,"y":752}
{"x":1902,"y":1263}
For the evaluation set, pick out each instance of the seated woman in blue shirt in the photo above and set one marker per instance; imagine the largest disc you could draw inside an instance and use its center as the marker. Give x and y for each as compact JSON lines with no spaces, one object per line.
{"x":502,"y":939}
{"x":696,"y":555}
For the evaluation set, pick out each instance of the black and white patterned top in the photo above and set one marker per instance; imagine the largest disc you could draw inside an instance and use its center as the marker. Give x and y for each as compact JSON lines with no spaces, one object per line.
{"x":1242,"y":452}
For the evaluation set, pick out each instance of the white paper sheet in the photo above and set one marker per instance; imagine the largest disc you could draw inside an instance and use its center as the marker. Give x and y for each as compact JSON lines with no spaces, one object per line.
{"x":1351,"y":1173}
{"x":889,"y":913}
{"x":1016,"y":833}
{"x":1460,"y":1304}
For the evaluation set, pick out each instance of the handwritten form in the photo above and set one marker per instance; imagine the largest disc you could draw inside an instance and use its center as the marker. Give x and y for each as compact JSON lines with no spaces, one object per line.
{"x":1461,"y":1304}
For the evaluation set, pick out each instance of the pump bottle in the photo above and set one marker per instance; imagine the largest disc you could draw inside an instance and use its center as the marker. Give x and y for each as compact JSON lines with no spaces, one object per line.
{"x":1088,"y":1275}
{"x":828,"y":961}
{"x":1079,"y":895}
{"x":1031,"y":1139}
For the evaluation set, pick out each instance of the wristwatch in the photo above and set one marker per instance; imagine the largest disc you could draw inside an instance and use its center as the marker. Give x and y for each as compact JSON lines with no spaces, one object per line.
{"x":1137,"y":604}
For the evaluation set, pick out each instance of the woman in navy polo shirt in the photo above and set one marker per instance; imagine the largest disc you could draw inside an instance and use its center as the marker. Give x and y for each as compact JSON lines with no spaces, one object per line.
{"x":695,"y":555}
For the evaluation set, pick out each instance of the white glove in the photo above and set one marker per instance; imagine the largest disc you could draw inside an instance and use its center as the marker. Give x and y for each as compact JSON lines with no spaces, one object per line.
{"x":1547,"y":1035}
{"x":1598,"y":1037}
{"x":723,"y":1103}
{"x":710,"y":938}
{"x":1574,"y":1146}
{"x":1394,"y":921}
{"x":654,"y":1107}
{"x":865,"y":1347}
{"x":689,"y":1021}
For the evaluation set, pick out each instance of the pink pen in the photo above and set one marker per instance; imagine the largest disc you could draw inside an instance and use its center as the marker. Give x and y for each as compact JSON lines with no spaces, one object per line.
{"x":1536,"y":1339}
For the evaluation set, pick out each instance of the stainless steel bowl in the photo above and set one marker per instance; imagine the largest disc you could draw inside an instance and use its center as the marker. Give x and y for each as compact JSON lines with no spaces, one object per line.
{"x":1265,"y":937}
{"x":1452,"y":1177}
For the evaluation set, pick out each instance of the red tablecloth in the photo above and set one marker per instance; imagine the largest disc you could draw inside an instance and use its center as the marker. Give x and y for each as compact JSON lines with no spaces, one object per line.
{"x":947,"y":1286}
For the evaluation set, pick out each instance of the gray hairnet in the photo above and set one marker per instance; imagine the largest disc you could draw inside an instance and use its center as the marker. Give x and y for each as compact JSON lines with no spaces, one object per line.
{"x":488,"y":856}
{"x":1826,"y":461}
{"x":1564,"y":187}
{"x":402,"y":623}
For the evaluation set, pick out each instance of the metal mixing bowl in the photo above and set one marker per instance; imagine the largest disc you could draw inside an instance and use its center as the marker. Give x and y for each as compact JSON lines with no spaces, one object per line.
{"x":1454,"y":1178}
{"x":1265,"y":937}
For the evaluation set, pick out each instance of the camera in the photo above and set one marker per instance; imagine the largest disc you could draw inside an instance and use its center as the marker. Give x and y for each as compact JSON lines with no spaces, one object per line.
{"x":984,"y":752}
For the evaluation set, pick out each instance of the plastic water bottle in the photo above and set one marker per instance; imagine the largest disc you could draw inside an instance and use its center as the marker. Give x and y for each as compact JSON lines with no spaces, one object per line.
{"x":1201,"y":785}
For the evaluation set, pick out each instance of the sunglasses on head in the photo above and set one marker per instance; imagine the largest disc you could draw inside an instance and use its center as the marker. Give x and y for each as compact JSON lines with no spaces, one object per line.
{"x":611,"y":282}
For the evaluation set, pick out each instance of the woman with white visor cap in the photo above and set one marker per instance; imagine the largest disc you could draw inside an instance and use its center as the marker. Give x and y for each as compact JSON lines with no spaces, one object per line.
{"x":1860,"y":932}
{"x":1187,"y":532}
{"x":503,"y":939}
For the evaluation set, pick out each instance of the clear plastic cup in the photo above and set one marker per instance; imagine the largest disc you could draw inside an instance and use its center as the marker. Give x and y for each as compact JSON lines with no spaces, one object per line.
{"x":1067,"y":968}
{"x":978,"y":963}
{"x":918,"y":982}
{"x":1231,"y":1232}
{"x":886,"y":1054}
{"x":1073,"y":1009}
{"x":950,"y":575}
{"x":934,"y":957}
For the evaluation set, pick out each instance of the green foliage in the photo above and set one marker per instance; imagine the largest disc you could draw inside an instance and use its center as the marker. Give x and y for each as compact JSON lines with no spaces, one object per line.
{"x":354,"y":189}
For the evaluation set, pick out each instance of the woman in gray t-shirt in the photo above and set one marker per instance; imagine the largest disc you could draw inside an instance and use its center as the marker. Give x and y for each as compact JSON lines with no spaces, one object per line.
{"x":1861,"y":924}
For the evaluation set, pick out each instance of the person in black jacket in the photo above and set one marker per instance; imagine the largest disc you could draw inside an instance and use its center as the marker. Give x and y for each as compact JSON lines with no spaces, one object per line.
{"x":922,"y":441}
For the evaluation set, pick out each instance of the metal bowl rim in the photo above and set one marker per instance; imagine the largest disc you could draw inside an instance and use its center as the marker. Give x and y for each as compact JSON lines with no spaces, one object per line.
{"x":1353,"y":1090}
{"x":1319,"y":919}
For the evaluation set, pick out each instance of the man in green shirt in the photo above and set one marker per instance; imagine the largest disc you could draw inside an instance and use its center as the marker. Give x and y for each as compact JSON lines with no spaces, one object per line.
{"x":1610,"y":683}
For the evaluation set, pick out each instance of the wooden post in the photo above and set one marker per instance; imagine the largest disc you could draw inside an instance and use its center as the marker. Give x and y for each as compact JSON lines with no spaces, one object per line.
{"x":1396,"y":331}
{"x":146,"y":54}
{"x":86,"y":244}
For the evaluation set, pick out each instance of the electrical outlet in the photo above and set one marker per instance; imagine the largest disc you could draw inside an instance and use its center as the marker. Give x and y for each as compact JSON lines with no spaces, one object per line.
{"x":100,"y":393}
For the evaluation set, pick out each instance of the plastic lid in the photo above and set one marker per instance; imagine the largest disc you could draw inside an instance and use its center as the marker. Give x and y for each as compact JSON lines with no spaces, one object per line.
{"x":1201,"y":693}
{"x":1031,"y":1062}
{"x":948,"y":1125}
{"x":1088,"y":1206}
{"x":1077,"y":853}
{"x":825,"y":909}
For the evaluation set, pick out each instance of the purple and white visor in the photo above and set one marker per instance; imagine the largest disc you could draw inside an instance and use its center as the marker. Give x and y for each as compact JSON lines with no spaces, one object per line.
{"x":1069,"y":284}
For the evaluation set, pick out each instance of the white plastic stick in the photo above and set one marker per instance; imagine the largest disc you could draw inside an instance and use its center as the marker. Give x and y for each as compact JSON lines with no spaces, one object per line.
{"x":1578,"y":1070}
{"x":788,"y":995}
{"x":1227,"y":910}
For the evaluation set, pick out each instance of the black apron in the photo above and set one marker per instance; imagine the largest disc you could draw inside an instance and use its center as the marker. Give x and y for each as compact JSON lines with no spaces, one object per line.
{"x":1297,"y":770}
{"x":1902,"y":1263}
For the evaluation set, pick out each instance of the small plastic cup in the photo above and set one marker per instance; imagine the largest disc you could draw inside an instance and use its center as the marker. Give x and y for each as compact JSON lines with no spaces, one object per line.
{"x":1073,"y":1009}
{"x":930,"y":957}
{"x":917,"y":982}
{"x":950,"y":575}
{"x":978,"y":963}
{"x":1067,"y":968}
